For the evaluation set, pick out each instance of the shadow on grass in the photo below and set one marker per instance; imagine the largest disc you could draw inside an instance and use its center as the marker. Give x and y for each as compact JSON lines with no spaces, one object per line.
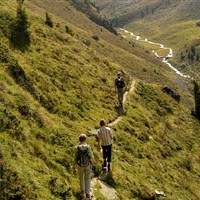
{"x":120,"y":110}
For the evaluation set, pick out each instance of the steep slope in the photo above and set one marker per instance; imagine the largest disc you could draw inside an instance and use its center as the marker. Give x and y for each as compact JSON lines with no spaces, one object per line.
{"x":61,"y":85}
{"x":92,"y":12}
{"x":113,"y":47}
{"x":156,"y":148}
{"x":134,"y":59}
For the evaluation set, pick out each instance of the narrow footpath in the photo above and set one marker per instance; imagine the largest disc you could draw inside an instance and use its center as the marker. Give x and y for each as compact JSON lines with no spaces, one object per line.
{"x":106,"y":190}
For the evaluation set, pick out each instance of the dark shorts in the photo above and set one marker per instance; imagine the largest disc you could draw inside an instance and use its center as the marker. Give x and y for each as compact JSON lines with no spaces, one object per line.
{"x":107,"y":152}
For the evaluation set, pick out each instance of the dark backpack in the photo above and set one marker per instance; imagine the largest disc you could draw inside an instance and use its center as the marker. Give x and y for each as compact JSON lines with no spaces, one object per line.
{"x":119,"y":82}
{"x":83,"y":155}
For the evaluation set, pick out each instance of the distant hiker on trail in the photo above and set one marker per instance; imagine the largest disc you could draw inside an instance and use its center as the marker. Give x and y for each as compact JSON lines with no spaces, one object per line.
{"x":105,"y":137}
{"x":82,"y":161}
{"x":119,"y":87}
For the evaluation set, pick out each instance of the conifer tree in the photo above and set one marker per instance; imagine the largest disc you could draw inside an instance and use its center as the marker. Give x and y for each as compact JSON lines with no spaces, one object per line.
{"x":20,"y":35}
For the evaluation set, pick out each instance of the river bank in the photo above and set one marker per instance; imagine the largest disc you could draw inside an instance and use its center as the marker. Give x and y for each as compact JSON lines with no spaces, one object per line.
{"x":165,"y":59}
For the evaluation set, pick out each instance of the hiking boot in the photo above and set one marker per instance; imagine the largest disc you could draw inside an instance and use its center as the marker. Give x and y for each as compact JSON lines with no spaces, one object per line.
{"x":88,"y":197}
{"x":104,"y":169}
{"x":82,"y":194}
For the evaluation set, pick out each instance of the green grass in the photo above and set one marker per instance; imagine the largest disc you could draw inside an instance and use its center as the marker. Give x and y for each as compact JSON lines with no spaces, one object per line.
{"x":154,"y":144}
{"x":59,"y":88}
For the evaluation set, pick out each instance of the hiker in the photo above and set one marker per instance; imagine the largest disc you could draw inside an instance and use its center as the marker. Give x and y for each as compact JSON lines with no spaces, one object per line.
{"x":119,"y":87}
{"x":105,"y":142}
{"x":83,"y":161}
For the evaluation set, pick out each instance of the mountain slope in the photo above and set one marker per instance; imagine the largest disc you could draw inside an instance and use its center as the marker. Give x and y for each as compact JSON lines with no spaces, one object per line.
{"x":131,"y":57}
{"x":61,"y":85}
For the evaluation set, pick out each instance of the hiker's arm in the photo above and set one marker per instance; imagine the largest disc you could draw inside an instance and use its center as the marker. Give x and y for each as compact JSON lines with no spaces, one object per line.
{"x":99,"y":143}
{"x":111,"y":134}
{"x":91,"y":155}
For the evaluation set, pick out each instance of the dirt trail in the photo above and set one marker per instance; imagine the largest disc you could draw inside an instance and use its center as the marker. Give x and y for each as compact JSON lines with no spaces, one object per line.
{"x":106,"y":190}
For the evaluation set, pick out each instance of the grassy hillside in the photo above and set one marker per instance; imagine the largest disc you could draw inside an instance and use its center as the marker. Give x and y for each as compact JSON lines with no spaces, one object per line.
{"x":60,"y":85}
{"x":133,"y":59}
{"x":156,"y":148}
{"x":113,"y":47}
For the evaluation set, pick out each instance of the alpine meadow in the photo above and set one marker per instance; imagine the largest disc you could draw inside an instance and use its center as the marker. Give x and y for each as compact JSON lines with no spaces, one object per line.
{"x":58,"y":64}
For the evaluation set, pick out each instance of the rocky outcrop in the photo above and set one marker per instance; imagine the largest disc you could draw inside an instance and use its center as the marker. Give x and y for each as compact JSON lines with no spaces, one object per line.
{"x":93,"y":14}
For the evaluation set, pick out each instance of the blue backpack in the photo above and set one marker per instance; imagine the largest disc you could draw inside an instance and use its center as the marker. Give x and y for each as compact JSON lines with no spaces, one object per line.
{"x":83,"y":155}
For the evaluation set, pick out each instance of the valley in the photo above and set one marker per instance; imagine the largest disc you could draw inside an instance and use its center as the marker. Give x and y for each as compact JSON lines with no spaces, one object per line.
{"x":57,"y":72}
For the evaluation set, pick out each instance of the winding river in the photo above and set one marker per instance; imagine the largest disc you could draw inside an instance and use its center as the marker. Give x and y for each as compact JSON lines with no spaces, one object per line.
{"x":165,"y":59}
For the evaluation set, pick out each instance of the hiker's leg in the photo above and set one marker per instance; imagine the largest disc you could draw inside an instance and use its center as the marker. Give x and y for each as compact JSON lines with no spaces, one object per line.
{"x":81,"y":180}
{"x":109,"y":153}
{"x":108,"y":167}
{"x":120,"y":95}
{"x":104,"y":156}
{"x":87,"y":179}
{"x":109,"y":148}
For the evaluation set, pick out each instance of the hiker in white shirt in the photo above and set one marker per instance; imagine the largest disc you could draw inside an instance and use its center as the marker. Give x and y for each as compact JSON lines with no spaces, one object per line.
{"x":105,"y":141}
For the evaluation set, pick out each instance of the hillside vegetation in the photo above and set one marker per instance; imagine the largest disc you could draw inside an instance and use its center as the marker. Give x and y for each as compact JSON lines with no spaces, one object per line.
{"x":58,"y":84}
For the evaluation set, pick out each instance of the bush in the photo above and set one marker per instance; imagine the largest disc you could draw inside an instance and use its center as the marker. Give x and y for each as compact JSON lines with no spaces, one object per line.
{"x":95,"y":37}
{"x":87,"y":42}
{"x":48,"y":21}
{"x":68,"y":30}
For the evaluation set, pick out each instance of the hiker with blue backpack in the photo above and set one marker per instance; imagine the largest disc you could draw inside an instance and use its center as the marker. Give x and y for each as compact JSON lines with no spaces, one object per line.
{"x":119,"y":88}
{"x":83,"y":162}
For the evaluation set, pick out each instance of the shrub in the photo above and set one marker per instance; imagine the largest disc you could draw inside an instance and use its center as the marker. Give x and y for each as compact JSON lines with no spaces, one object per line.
{"x":95,"y":37}
{"x":68,"y":30}
{"x":48,"y":21}
{"x":87,"y":42}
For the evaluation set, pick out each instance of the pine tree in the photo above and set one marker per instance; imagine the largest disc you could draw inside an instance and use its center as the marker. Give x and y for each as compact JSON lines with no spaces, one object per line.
{"x":20,"y":35}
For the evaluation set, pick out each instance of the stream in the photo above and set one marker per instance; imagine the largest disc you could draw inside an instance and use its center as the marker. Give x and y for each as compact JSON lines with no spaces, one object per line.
{"x":165,"y":59}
